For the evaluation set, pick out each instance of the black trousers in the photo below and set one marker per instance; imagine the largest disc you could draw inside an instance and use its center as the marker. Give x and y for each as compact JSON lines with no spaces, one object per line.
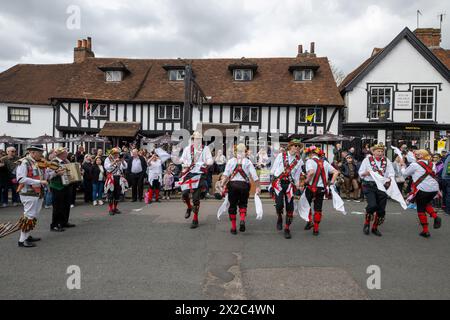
{"x":61,"y":206}
{"x":87,"y":186}
{"x":282,"y":198}
{"x":137,"y":185}
{"x":115,"y":195}
{"x":376,"y":199}
{"x":238,"y":193}
{"x":155,"y":184}
{"x":316,"y":196}
{"x":423,"y":199}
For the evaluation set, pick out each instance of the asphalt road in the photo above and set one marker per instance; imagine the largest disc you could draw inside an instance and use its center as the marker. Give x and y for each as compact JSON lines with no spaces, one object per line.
{"x":151,"y":253}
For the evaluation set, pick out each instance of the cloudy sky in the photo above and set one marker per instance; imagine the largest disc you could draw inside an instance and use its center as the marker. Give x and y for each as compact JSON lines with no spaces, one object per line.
{"x":45,"y":31}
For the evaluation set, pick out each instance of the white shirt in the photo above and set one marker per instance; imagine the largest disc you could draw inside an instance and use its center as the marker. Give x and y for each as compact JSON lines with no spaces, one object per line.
{"x":278,"y":166}
{"x":115,"y":169}
{"x":312,"y":165}
{"x":429,"y":184}
{"x":136,"y":165}
{"x":221,"y":159}
{"x":154,"y":170}
{"x":247,"y":166}
{"x":22,"y":172}
{"x":365,"y":166}
{"x":202,"y":158}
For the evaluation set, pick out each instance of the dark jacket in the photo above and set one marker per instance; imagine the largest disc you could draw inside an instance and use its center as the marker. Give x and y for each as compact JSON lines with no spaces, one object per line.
{"x":96,"y":173}
{"x":143,"y":164}
{"x":346,"y":170}
{"x":4,"y":176}
{"x":87,"y":171}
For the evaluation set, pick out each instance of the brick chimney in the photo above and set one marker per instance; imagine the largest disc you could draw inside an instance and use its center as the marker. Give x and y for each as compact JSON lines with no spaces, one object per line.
{"x":306,"y":54}
{"x":429,"y":36}
{"x":83,"y":50}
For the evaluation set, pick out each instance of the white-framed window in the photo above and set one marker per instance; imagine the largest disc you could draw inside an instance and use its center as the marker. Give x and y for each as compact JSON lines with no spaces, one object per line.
{"x":169,"y":112}
{"x":19,"y":114}
{"x":380,"y":96}
{"x":176,"y":75}
{"x":304,"y":113}
{"x":245,"y":114}
{"x":424,"y":101}
{"x":113,"y":76}
{"x":303,"y":75}
{"x":95,"y":110}
{"x":243,"y":74}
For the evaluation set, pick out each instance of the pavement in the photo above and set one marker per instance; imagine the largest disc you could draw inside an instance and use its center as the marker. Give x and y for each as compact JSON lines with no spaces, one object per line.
{"x":149,"y":252}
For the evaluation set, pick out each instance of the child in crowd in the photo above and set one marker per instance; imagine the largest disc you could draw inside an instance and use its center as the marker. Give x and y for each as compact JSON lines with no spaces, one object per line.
{"x":168,"y":181}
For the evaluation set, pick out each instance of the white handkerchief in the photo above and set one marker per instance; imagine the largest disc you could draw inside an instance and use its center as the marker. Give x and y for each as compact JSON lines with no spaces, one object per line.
{"x":258,"y":207}
{"x":223,"y":208}
{"x":303,"y":207}
{"x":338,"y":203}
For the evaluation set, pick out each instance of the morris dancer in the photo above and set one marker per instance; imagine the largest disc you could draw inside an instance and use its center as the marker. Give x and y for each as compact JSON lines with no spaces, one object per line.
{"x":115,"y":184}
{"x":237,"y":179}
{"x":154,"y":172}
{"x":195,"y":160}
{"x":317,"y":171}
{"x":31,"y":182}
{"x":376,"y":199}
{"x":424,"y":188}
{"x":286,"y":170}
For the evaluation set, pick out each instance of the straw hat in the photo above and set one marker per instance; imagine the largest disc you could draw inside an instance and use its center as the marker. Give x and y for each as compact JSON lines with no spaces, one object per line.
{"x":295,"y":142}
{"x":36,"y":147}
{"x":60,"y":150}
{"x":378,"y":146}
{"x":196,"y":135}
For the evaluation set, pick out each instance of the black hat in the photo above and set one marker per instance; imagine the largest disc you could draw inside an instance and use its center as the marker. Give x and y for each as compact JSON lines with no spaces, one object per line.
{"x":36,"y":147}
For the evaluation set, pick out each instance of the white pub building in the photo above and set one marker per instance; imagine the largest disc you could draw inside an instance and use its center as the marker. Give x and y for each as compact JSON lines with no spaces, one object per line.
{"x":131,"y":98}
{"x":401,"y":94}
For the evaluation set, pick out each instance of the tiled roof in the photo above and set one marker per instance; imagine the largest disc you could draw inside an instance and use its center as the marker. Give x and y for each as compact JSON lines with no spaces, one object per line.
{"x":147,"y":81}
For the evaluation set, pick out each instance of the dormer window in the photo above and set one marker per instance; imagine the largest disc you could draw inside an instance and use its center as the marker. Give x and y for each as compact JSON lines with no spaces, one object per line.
{"x":176,"y":75}
{"x":243,"y":74}
{"x":113,"y":76}
{"x":303,"y":75}
{"x":114,"y":71}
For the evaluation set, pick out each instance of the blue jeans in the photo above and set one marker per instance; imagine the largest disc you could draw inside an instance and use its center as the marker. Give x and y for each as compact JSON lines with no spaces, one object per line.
{"x":48,"y":197}
{"x":97,"y":190}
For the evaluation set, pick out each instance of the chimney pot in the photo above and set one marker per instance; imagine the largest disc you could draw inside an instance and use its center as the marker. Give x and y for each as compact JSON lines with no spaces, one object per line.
{"x":84,"y":43}
{"x":312,"y":47}
{"x":89,"y":43}
{"x":300,"y":49}
{"x":79,"y":44}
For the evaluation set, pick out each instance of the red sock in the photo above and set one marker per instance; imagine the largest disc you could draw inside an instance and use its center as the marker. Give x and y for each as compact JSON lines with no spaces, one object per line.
{"x":423,"y":221}
{"x":243,"y":213}
{"x":156,"y":194}
{"x":375,"y":222}
{"x":233,"y":221}
{"x":310,"y":216}
{"x":150,"y":195}
{"x":430,"y":210}
{"x":286,"y":226}
{"x":317,"y":219}
{"x":111,"y":207}
{"x":367,"y":221}
{"x":195,"y":218}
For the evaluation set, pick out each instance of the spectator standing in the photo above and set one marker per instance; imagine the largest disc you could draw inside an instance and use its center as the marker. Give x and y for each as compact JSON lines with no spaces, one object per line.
{"x":221,"y":161}
{"x":10,"y":161}
{"x":351,"y":183}
{"x":137,"y":167}
{"x":399,"y":178}
{"x":168,"y":181}
{"x":4,"y":177}
{"x":87,"y":178}
{"x":98,"y":181}
{"x":79,"y":155}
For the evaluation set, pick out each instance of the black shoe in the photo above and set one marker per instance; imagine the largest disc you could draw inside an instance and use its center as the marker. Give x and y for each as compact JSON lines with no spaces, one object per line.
{"x":233,"y":231}
{"x":437,"y":223}
{"x":280,"y":224}
{"x":287,"y":234}
{"x":242,"y":226}
{"x":117,"y":211}
{"x":425,"y":234}
{"x":31,"y":239}
{"x":26,"y":244}
{"x":188,"y":213}
{"x":69,"y":225}
{"x":194,"y":224}
{"x":376,"y":232}
{"x":57,"y":228}
{"x":309,"y":225}
{"x":316,"y":233}
{"x":366,"y":229}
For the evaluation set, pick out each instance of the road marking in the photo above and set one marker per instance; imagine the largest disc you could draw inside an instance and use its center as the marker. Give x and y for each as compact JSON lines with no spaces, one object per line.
{"x":357,"y":212}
